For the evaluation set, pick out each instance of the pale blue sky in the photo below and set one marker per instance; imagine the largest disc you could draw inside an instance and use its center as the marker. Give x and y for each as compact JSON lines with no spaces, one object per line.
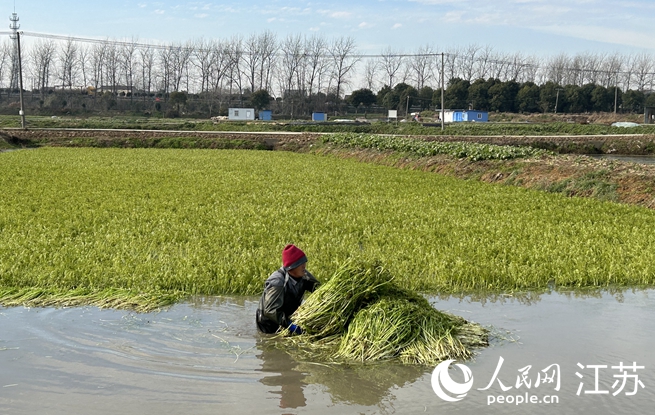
{"x":539,"y":27}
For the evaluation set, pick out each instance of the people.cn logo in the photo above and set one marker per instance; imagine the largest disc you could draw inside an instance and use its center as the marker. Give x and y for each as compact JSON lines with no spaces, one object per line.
{"x":445,"y":387}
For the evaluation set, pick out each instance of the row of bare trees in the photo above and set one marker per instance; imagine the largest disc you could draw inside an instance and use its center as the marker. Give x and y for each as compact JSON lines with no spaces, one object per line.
{"x":423,"y":67}
{"x":297,"y":64}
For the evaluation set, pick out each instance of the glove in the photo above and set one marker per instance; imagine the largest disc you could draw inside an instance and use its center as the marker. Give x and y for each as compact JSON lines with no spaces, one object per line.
{"x":293,"y":329}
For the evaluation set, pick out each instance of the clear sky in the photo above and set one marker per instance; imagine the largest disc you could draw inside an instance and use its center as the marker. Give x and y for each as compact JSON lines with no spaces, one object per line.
{"x":539,"y":27}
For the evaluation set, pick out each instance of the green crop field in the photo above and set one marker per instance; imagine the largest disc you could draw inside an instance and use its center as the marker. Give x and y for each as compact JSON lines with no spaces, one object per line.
{"x":126,"y":227}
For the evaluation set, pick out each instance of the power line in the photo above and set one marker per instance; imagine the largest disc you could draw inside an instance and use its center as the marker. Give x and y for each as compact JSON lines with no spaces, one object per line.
{"x":164,"y":47}
{"x":435,"y":55}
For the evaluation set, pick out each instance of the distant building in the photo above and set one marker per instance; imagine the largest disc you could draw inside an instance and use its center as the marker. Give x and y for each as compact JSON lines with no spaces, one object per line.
{"x":241,"y":114}
{"x":319,"y":116}
{"x":265,"y":115}
{"x":466,"y":116}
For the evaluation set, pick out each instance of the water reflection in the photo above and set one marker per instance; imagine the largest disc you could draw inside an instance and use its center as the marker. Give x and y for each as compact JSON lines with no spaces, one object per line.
{"x":203,"y":302}
{"x":367,"y":385}
{"x":534,"y":297}
{"x":282,"y":371}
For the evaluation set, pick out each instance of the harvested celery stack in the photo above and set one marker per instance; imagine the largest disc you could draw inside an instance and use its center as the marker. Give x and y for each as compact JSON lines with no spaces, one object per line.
{"x":361,"y":315}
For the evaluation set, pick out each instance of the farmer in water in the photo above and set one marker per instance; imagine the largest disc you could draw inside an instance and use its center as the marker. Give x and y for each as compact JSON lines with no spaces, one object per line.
{"x":283,"y":292}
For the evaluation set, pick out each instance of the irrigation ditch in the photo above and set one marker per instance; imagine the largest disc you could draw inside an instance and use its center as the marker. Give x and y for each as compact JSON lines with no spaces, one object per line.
{"x":567,"y":170}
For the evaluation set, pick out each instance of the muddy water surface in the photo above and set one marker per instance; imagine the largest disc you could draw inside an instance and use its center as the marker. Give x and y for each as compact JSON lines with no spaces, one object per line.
{"x":205,"y":357}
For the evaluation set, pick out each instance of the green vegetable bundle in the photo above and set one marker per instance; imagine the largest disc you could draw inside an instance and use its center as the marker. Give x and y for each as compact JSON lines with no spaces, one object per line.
{"x":328,"y":311}
{"x":361,"y":315}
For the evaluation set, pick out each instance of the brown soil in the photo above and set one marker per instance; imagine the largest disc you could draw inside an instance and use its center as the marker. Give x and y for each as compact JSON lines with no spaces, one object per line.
{"x":63,"y":137}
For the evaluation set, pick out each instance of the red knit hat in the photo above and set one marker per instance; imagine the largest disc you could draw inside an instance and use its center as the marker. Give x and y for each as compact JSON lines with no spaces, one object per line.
{"x":292,"y":257}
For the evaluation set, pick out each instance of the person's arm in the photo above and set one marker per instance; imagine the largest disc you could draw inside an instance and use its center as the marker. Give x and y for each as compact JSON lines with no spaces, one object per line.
{"x":311,"y":283}
{"x":273,"y":302}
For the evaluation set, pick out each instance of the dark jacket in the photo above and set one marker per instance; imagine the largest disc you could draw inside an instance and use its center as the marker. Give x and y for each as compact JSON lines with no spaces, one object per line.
{"x":281,"y":298}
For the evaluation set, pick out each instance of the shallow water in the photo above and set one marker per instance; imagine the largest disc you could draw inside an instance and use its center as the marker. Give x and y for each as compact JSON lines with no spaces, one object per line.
{"x":205,"y":357}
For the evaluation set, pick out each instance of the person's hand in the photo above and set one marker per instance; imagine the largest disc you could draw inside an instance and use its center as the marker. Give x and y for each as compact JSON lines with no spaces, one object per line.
{"x":294,"y":329}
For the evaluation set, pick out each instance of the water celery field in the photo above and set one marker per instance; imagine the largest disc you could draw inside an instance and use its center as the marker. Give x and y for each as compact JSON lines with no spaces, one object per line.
{"x":140,"y":228}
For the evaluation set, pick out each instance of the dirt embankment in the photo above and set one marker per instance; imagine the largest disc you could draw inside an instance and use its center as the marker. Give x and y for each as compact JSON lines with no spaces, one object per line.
{"x":572,"y":175}
{"x":147,"y":138}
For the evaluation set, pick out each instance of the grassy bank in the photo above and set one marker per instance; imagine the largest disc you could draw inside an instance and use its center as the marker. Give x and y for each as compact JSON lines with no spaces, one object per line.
{"x":178,"y":222}
{"x":5,"y":145}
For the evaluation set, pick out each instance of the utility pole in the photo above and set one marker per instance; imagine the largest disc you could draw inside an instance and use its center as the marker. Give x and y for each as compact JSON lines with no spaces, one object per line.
{"x":407,"y":107}
{"x":616,"y":97}
{"x":442,"y":88}
{"x":16,"y":36}
{"x":20,"y":85}
{"x":557,"y":99}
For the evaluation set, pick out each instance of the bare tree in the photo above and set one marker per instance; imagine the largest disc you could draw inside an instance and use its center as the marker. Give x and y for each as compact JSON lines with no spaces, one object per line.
{"x":516,"y":67}
{"x":147,"y":66}
{"x":317,"y":64}
{"x":112,"y":66}
{"x":204,"y":58}
{"x":67,"y":57}
{"x":450,"y":64}
{"x":98,"y":57}
{"x":468,"y":58}
{"x":498,"y":65}
{"x":643,"y":71}
{"x":83,"y":58}
{"x":165,"y":56}
{"x":342,"y":51}
{"x":42,"y":57}
{"x":557,"y":71}
{"x":611,"y":67}
{"x":531,"y":69}
{"x":422,"y":65}
{"x":370,"y":72}
{"x":291,"y":72}
{"x":482,"y":63}
{"x":5,"y":59}
{"x":128,"y":64}
{"x":179,"y":64}
{"x":391,"y":62}
{"x":268,"y":48}
{"x":629,"y":69}
{"x":292,"y":52}
{"x":252,"y":59}
{"x":221,"y":65}
{"x":234,"y":52}
{"x":576,"y":71}
{"x":592,"y":67}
